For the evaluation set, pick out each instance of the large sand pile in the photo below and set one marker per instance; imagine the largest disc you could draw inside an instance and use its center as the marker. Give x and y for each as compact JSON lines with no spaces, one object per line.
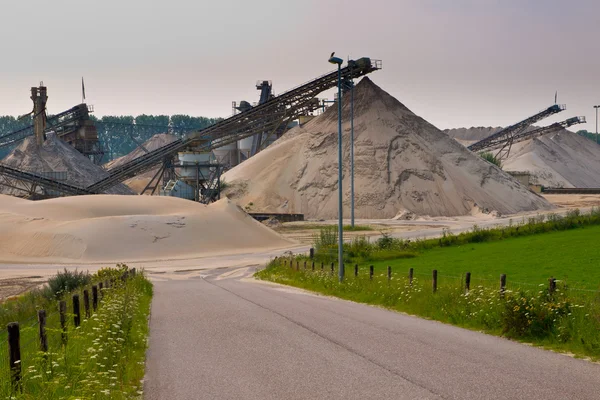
{"x":561,"y":159}
{"x":104,"y":228}
{"x":402,"y":164}
{"x":139,"y":182}
{"x":56,"y":156}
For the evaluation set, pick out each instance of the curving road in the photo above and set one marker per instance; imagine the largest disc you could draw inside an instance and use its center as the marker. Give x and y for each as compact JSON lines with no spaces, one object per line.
{"x":222,"y":335}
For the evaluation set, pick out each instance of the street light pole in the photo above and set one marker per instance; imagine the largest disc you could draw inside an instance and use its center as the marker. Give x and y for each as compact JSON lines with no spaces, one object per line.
{"x":597,"y":107}
{"x":339,"y":61}
{"x":352,"y":154}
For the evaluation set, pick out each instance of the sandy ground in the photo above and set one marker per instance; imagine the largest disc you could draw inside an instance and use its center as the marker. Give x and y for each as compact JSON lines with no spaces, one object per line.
{"x":18,"y":277}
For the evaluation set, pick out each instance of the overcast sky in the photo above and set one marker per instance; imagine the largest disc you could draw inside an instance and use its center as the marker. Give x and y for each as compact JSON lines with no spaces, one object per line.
{"x":454,"y":62}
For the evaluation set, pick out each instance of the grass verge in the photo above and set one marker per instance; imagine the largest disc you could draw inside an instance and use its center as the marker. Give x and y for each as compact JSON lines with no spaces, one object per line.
{"x":565,"y":320}
{"x":103,"y":358}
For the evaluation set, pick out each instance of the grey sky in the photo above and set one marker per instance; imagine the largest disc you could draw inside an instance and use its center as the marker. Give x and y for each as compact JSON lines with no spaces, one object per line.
{"x":453,"y":62}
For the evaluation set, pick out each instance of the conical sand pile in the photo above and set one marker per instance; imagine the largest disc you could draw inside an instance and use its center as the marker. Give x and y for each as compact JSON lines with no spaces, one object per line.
{"x":56,"y":156}
{"x":402,"y":164}
{"x":561,"y":159}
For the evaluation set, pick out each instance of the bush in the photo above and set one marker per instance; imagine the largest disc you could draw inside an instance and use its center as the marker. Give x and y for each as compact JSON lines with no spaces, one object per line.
{"x":65,"y":282}
{"x":489,"y":157}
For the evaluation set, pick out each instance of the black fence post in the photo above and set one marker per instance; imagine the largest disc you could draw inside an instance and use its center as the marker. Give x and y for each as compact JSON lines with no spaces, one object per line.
{"x":76,"y":311}
{"x":434,"y":283}
{"x":389,"y":273}
{"x":86,"y":303}
{"x":94,"y":298}
{"x":467,"y":282}
{"x":14,"y":350}
{"x":42,"y":330}
{"x":312,"y":253}
{"x":62,"y":309}
{"x":355,"y":270}
{"x":313,"y":265}
{"x":322,"y":266}
{"x":502,"y":284}
{"x":411,"y":273}
{"x":332,"y":268}
{"x":552,"y":285}
{"x":371,"y":268}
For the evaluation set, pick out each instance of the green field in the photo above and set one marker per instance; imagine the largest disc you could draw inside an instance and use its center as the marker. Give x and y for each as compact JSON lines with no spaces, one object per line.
{"x":572,"y":255}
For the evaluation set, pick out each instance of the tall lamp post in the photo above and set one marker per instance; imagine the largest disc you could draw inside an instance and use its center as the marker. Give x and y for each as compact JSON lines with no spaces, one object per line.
{"x":349,"y":85}
{"x":597,"y":107}
{"x":339,"y":61}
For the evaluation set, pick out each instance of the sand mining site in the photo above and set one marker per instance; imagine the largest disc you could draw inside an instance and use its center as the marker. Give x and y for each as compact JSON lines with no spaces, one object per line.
{"x":254,"y":186}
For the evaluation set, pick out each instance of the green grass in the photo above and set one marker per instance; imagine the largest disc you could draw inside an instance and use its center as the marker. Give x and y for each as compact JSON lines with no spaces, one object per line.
{"x":566,"y":320}
{"x":573,"y":256}
{"x":529,"y":253}
{"x":103,"y":358}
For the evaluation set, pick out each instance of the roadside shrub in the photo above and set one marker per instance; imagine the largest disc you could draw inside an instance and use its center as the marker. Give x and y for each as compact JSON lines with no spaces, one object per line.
{"x":66,"y":281}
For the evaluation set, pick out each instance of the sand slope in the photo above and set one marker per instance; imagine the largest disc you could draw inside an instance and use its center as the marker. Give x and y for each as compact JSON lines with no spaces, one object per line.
{"x":562,"y":159}
{"x":402,"y":164}
{"x":56,"y":156}
{"x":105,"y":228}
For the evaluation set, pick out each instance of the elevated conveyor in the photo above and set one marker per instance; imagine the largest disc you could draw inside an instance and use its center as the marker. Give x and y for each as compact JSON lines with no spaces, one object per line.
{"x":266,"y":117}
{"x":506,"y":135}
{"x":57,"y":123}
{"x":41,"y":181}
{"x":545,"y":130}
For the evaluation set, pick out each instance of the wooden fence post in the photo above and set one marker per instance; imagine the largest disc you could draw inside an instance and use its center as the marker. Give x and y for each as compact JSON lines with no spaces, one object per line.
{"x":502,"y":284}
{"x":371,"y":272}
{"x":94,"y":298}
{"x":42,"y":330}
{"x":86,"y":303}
{"x":76,"y":312}
{"x":62,"y":309}
{"x":312,"y":253}
{"x":467,"y":282}
{"x":434,"y":283}
{"x":355,"y":270}
{"x":389,"y":273}
{"x":14,"y":350}
{"x":552,"y":285}
{"x":411,"y":273}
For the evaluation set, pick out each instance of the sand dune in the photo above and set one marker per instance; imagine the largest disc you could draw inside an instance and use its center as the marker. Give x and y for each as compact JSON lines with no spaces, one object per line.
{"x":104,"y":228}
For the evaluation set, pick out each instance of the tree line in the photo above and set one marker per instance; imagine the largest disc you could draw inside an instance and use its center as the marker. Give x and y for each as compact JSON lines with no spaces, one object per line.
{"x":119,"y":135}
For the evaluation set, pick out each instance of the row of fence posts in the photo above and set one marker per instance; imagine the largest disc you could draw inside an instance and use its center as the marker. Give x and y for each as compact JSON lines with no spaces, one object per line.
{"x":551,"y":281}
{"x":14,"y":336}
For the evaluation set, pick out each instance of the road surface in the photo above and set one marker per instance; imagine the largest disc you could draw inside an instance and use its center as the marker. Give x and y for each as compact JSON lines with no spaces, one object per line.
{"x":222,"y":335}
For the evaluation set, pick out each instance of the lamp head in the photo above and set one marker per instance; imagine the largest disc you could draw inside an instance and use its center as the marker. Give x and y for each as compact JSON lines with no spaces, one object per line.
{"x":336,"y":60}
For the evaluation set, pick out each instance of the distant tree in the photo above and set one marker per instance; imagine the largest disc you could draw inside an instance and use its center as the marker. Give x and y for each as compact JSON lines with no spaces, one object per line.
{"x":489,"y":157}
{"x":588,"y":134}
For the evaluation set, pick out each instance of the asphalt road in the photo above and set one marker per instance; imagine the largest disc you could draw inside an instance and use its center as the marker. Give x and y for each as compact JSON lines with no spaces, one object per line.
{"x":222,"y":336}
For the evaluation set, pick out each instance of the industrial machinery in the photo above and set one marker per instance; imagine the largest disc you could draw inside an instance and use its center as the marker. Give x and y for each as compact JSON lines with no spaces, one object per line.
{"x":267,"y":117}
{"x":545,"y":130}
{"x":506,"y":136}
{"x":74,"y":126}
{"x":264,"y":118}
